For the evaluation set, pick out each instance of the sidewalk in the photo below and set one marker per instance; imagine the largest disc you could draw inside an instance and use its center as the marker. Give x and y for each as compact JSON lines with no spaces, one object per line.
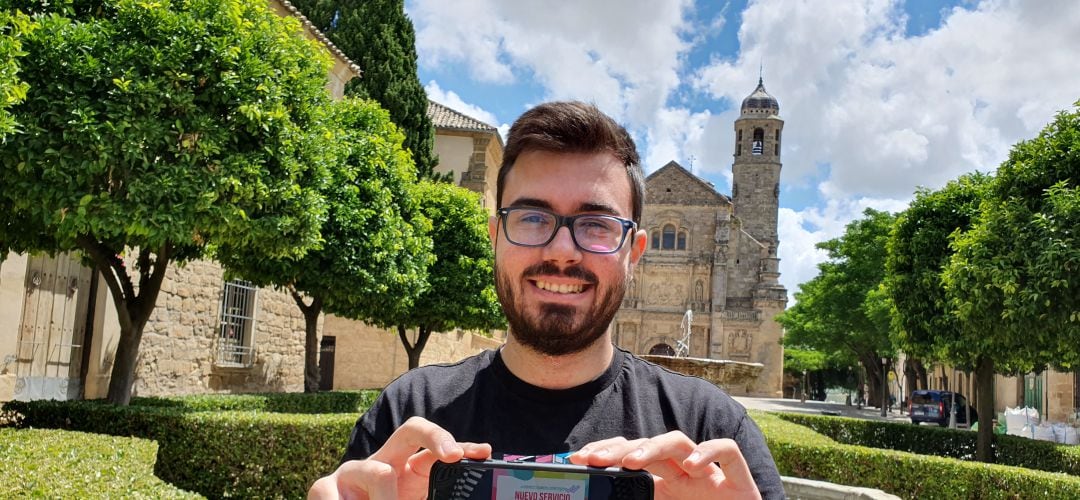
{"x":820,"y":408}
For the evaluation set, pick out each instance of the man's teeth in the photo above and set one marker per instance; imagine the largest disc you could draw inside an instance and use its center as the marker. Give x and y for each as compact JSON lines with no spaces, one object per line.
{"x":563,"y":288}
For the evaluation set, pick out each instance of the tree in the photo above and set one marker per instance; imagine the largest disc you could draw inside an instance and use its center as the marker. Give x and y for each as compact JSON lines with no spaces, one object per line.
{"x":378,"y":36}
{"x":154,"y":130}
{"x":376,"y":247}
{"x":13,"y":25}
{"x":461,"y":291}
{"x":834,"y":311}
{"x":1013,"y":279}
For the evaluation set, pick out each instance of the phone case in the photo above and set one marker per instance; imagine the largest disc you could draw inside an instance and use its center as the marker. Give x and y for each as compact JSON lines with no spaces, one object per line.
{"x":521,"y":480}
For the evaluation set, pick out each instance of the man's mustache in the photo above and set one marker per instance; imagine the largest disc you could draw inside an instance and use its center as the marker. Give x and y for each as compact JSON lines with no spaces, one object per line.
{"x":551,"y":270}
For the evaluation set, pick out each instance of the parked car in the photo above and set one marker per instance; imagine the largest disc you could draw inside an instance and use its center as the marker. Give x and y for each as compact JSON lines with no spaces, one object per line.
{"x":934,"y":406}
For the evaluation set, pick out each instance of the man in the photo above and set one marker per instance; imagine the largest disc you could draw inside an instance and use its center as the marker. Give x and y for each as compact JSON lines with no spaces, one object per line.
{"x":566,"y":242}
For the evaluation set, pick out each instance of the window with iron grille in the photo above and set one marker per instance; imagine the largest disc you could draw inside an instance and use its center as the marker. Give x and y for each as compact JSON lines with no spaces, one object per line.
{"x":235,"y":347}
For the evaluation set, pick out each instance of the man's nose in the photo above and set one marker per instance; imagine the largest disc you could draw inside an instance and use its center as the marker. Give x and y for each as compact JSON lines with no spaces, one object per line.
{"x":562,"y":247}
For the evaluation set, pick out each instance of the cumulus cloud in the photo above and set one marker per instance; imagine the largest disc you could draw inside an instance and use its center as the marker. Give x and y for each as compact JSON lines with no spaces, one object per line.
{"x":881,"y":110}
{"x":452,"y":100}
{"x":625,"y":56}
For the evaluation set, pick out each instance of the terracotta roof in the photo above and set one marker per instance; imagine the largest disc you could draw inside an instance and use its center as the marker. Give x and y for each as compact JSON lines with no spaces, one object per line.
{"x":446,"y":118}
{"x":320,"y":36}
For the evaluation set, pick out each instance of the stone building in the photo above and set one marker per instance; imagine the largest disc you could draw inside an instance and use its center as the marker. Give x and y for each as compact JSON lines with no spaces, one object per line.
{"x":712,"y":258}
{"x":59,"y":330}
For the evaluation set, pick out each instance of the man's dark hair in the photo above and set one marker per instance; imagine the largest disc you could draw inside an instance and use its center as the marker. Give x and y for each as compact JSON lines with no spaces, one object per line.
{"x":573,"y":127}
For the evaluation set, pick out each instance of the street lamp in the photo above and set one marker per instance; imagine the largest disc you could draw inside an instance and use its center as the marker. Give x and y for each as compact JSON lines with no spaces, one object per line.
{"x":884,"y":384}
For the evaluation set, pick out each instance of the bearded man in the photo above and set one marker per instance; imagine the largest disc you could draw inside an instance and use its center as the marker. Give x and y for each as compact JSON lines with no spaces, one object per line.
{"x":566,"y":240}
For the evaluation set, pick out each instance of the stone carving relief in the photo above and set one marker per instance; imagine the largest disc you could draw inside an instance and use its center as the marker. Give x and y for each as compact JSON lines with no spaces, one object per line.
{"x":667,"y":294}
{"x":739,"y":342}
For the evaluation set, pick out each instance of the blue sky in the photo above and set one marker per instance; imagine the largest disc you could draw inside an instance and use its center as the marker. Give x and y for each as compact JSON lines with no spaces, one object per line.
{"x":879,"y":97}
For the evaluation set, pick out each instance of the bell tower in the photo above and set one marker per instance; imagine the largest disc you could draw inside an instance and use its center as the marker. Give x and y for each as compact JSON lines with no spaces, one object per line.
{"x":755,"y":188}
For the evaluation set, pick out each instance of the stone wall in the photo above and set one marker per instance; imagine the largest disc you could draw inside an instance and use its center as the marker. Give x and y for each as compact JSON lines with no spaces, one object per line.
{"x":177,"y":352}
{"x":367,"y":357}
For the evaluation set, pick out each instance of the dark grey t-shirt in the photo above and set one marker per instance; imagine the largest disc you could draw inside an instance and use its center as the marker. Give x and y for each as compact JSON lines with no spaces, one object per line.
{"x":479,"y":400}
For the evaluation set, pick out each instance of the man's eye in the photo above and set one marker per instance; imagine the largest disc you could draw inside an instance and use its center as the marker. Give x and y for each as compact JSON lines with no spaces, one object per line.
{"x":596,"y":224}
{"x":534,"y":219}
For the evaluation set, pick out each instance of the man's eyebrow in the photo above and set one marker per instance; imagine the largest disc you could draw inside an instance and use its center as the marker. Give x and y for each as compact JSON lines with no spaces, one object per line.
{"x":530,"y":202}
{"x":602,"y":208}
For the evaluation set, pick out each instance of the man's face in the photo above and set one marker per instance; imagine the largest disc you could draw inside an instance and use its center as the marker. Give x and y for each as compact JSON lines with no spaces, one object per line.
{"x":557,"y":298}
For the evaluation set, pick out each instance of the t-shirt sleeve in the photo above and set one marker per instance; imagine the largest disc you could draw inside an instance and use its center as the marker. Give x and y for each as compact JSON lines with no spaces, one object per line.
{"x":758,"y":457}
{"x":372,"y":429}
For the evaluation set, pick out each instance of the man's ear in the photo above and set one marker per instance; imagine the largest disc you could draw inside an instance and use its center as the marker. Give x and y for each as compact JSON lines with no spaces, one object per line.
{"x":493,"y":230}
{"x":637,"y":245}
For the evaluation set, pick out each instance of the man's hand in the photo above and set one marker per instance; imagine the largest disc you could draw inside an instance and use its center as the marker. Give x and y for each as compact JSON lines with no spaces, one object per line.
{"x":398,"y":469}
{"x":680,"y":468}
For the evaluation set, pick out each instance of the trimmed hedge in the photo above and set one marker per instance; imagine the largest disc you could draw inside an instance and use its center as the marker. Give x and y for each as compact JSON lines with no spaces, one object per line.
{"x":1009,"y":450}
{"x":250,"y":454}
{"x":49,"y":463}
{"x":277,"y":402}
{"x":801,"y":452}
{"x":261,"y":454}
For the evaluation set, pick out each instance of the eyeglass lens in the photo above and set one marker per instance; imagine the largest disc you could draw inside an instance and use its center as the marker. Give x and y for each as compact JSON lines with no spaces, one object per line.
{"x":593,"y":233}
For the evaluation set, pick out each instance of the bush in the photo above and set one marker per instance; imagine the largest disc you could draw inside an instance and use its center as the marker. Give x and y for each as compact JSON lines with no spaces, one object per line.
{"x":48,"y":463}
{"x":252,"y":453}
{"x":277,"y":402}
{"x":802,"y":452}
{"x":1008,"y":450}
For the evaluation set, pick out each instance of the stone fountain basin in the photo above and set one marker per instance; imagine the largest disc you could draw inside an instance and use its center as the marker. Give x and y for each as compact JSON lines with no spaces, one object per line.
{"x":732,"y":376}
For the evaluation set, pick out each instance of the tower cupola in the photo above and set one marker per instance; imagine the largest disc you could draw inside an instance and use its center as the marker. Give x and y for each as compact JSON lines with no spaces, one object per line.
{"x":760,"y":103}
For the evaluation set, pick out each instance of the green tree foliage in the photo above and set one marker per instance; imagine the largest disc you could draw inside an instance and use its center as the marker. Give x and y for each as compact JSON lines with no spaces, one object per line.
{"x":159,"y":128}
{"x":461,"y":291}
{"x":379,"y":37}
{"x":1014,"y":279}
{"x":918,"y":252}
{"x":835,"y":311}
{"x":376,"y":247}
{"x":13,"y":25}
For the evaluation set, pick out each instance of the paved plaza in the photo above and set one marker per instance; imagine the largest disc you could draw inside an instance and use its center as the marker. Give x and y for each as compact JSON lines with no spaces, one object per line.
{"x":820,"y":408}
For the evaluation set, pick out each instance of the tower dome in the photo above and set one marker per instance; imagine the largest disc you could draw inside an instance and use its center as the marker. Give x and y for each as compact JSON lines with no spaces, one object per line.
{"x":759,"y":102}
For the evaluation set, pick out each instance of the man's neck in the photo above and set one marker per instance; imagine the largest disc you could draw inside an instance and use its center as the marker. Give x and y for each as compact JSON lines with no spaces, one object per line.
{"x":558,"y":372}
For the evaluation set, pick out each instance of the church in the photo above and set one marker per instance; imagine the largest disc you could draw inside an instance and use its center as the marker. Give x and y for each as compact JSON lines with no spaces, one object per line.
{"x":711,"y":259}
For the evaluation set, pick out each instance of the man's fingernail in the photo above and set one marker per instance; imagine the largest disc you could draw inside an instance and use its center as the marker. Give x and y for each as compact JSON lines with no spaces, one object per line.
{"x":694,"y":457}
{"x":638,"y":453}
{"x":449,"y":447}
{"x":603,"y":452}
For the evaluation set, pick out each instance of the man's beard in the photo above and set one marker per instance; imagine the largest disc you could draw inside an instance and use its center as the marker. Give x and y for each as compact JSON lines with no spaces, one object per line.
{"x":552,"y":331}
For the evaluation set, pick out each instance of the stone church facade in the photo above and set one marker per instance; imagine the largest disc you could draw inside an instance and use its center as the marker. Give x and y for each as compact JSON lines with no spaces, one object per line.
{"x":712,"y":258}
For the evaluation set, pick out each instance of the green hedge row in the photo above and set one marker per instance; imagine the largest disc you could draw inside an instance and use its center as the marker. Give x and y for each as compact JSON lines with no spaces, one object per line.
{"x":277,"y":402}
{"x":801,"y":452}
{"x":924,"y":440}
{"x":259,"y":454}
{"x":49,"y":463}
{"x":249,"y":454}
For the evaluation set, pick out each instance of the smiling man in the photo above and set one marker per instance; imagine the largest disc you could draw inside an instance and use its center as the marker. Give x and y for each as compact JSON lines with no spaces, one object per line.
{"x":566,"y":241}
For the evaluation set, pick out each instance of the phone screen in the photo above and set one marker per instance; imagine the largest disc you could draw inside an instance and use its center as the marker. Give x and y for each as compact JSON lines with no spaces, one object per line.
{"x":495,"y":480}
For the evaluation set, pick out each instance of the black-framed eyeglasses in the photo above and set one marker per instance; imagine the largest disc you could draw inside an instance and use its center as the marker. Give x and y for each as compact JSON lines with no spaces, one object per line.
{"x":536,"y":227}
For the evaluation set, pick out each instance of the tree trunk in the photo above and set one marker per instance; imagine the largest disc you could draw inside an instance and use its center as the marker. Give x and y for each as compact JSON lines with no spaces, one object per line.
{"x":413,"y":350}
{"x":872,"y":367}
{"x":132,"y":309}
{"x":311,"y":339}
{"x":984,"y":379}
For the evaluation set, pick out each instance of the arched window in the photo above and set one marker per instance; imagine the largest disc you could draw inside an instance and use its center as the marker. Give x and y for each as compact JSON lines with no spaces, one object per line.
{"x":759,"y":141}
{"x":656,"y":239}
{"x":738,"y":150}
{"x":681,"y":243}
{"x":739,"y":136}
{"x":669,"y":237}
{"x":777,"y":153}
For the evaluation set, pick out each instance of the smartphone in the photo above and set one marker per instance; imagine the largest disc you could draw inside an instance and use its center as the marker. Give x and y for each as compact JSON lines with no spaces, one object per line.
{"x":521,"y":480}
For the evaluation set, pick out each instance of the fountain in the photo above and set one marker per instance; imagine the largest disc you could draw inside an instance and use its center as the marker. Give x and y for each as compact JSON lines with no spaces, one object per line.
{"x":735,"y":377}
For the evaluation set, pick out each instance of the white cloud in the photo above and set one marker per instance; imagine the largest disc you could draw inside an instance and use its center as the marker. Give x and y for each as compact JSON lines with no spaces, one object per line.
{"x":450,"y":99}
{"x":625,"y":56}
{"x":878,"y":112}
